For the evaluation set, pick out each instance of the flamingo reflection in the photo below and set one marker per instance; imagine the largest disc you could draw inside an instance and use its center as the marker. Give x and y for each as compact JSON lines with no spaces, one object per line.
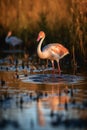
{"x":40,"y":114}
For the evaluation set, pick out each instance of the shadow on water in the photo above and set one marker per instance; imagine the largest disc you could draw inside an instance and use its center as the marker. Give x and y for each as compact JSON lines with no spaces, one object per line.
{"x":44,"y":101}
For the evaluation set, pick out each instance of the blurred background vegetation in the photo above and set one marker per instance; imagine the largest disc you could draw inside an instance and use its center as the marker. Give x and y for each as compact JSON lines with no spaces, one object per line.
{"x":64,"y":21}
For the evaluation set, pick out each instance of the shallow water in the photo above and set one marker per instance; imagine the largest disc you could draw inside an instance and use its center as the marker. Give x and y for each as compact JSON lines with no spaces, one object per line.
{"x":53,"y":79}
{"x":43,"y":101}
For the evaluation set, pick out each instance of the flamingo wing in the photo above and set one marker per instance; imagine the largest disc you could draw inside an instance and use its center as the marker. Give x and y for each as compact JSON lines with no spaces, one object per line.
{"x":56,"y":50}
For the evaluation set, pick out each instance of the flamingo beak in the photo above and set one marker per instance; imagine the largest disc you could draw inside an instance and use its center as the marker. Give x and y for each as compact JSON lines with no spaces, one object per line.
{"x":38,"y":38}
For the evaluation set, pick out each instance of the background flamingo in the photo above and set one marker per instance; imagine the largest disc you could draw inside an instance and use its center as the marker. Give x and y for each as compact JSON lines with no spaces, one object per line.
{"x":52,"y":51}
{"x":12,"y":39}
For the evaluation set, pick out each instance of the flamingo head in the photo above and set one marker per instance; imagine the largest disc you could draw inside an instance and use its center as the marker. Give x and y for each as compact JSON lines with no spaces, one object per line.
{"x":41,"y":35}
{"x":9,"y":33}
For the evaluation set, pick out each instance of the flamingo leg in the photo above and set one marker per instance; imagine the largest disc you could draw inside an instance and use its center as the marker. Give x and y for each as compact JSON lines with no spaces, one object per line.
{"x":59,"y":70}
{"x":53,"y":67}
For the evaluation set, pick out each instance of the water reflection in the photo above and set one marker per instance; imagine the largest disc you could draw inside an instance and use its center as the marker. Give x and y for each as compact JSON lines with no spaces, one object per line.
{"x":58,"y":104}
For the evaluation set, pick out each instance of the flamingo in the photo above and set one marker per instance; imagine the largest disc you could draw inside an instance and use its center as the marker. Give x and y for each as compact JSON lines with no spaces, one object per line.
{"x":12,"y":39}
{"x":53,"y":51}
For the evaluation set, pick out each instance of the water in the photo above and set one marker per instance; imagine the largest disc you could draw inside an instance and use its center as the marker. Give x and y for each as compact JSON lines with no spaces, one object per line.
{"x":43,"y":101}
{"x":53,"y":79}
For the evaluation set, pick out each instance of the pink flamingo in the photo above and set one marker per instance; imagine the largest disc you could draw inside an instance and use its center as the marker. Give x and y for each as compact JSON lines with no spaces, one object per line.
{"x":52,"y":51}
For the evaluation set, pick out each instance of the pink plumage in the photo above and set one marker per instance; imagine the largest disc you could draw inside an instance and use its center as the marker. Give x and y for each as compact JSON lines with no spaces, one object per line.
{"x":53,"y":51}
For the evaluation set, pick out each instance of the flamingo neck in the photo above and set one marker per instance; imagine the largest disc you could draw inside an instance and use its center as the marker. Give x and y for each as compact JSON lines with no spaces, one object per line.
{"x":40,"y":53}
